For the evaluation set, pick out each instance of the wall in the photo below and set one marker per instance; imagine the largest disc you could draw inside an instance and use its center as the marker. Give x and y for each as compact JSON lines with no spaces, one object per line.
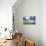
{"x":43,"y":22}
{"x":29,"y":8}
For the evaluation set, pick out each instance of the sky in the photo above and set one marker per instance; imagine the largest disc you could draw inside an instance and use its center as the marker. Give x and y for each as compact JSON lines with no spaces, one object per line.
{"x":6,"y":13}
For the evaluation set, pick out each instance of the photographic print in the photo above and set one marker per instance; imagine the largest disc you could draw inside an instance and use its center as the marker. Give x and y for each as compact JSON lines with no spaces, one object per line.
{"x":29,"y":20}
